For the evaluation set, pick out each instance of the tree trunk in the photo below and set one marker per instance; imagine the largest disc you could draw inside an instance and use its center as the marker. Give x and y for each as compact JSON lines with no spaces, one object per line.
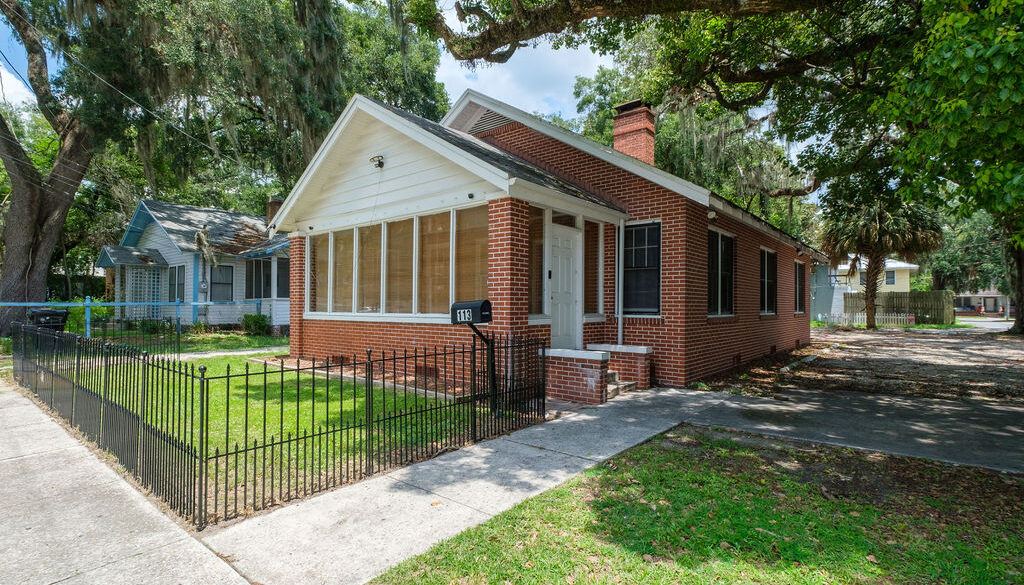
{"x":36,"y":217}
{"x":873,"y":272}
{"x":1017,"y":284}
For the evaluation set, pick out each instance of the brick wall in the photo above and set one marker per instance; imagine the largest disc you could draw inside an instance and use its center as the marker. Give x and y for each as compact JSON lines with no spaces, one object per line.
{"x":632,"y":367}
{"x":687,"y":343}
{"x":577,"y":379}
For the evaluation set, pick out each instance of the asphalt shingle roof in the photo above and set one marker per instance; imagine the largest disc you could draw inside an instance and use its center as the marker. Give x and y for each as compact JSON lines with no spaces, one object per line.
{"x":129,"y":256}
{"x":500,"y":159}
{"x":230,"y":232}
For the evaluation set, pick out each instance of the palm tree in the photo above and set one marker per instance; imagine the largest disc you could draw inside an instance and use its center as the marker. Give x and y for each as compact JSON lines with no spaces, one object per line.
{"x":874,"y":230}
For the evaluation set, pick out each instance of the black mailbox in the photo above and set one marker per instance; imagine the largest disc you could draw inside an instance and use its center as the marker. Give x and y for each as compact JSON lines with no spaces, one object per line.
{"x":470,"y":312}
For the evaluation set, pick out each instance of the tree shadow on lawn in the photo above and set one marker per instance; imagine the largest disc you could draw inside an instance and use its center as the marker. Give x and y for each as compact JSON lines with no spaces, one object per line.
{"x":712,"y":508}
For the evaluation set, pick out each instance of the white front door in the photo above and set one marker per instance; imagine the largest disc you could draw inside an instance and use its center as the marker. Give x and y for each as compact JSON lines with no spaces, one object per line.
{"x":566,"y":284}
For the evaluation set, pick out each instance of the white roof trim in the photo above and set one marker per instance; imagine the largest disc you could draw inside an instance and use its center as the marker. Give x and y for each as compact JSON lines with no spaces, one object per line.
{"x":142,"y":205}
{"x":611,"y":156}
{"x":360,"y":103}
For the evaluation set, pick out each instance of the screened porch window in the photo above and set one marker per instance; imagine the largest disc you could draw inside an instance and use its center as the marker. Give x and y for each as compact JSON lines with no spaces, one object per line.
{"x":591,"y":267}
{"x":283,"y":277}
{"x":535,"y":273}
{"x":257,"y":279}
{"x":417,"y":259}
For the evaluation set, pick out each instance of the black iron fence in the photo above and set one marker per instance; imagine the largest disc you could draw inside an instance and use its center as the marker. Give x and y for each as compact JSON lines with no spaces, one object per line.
{"x":219,"y":445}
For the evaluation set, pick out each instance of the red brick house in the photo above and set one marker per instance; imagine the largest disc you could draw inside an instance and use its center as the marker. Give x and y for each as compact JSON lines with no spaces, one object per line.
{"x":620,"y":265}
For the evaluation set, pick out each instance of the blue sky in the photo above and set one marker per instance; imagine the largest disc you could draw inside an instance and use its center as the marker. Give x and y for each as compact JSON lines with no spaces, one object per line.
{"x":536,"y":79}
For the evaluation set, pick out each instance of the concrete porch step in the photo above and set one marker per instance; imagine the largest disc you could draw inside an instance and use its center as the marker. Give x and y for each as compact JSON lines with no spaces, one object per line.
{"x":616,"y":388}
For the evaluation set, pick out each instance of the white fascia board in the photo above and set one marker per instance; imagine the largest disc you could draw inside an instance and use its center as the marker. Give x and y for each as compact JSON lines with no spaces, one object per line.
{"x":720,"y":206}
{"x":142,"y":205}
{"x":547,"y":197}
{"x":358,"y":103}
{"x":611,"y":156}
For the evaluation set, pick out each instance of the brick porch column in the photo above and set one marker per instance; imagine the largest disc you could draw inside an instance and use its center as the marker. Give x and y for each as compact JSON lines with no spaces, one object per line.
{"x":296,"y":293}
{"x":508,"y":223}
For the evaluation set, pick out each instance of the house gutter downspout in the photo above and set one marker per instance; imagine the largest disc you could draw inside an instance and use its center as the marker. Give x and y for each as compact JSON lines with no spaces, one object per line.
{"x":619,"y":251}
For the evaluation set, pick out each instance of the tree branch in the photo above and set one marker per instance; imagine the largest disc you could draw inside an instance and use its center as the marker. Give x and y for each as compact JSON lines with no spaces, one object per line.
{"x":20,"y":169}
{"x":38,"y":71}
{"x":497,"y":39}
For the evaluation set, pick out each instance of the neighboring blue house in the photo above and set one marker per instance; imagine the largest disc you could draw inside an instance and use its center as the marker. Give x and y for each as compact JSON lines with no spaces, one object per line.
{"x":158,"y":260}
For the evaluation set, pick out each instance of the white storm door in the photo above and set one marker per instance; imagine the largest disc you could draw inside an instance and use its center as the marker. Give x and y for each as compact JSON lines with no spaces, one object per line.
{"x":565,"y":285}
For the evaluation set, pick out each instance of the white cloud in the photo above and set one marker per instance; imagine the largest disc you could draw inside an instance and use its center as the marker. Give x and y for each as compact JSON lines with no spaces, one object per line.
{"x":536,"y":79}
{"x":14,"y":91}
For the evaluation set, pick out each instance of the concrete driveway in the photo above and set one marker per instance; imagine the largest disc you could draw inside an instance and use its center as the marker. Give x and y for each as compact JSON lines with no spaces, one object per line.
{"x":984,"y":433}
{"x":987,"y":323}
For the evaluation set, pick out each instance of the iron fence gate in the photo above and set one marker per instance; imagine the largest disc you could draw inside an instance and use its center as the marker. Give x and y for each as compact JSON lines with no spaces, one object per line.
{"x":218,"y":445}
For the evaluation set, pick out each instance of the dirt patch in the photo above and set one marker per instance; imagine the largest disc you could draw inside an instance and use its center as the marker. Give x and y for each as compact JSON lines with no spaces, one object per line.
{"x":952,"y":365}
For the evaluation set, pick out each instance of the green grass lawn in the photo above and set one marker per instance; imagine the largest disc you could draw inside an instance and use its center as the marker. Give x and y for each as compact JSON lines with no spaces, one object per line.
{"x":692,"y":508}
{"x":228,"y":340}
{"x":941,"y":326}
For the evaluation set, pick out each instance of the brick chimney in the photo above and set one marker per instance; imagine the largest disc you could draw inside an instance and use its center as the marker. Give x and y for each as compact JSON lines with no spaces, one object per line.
{"x":273,"y":206}
{"x":633,"y":129}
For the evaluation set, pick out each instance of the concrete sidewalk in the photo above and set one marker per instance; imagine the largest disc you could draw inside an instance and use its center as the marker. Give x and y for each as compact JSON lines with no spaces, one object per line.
{"x":66,"y":516}
{"x":352,"y":534}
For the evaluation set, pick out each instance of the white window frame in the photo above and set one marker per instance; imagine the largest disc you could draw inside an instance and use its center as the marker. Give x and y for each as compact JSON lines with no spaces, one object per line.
{"x":727,"y":234}
{"x":887,"y":273}
{"x":763,"y":285}
{"x":661,"y":268}
{"x":382,"y":315}
{"x":798,"y":288}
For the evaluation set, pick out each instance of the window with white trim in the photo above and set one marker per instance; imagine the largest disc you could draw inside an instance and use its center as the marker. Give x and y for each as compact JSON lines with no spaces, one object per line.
{"x":405,"y":267}
{"x":222,"y":283}
{"x":890,"y":277}
{"x":721,"y":260}
{"x":176,"y":283}
{"x":283,"y":278}
{"x":257,"y":279}
{"x":641,"y":277}
{"x":799,"y":287}
{"x":769,"y":281}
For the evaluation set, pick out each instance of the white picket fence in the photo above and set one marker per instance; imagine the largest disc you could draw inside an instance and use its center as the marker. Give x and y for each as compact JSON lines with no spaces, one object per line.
{"x":854,"y":319}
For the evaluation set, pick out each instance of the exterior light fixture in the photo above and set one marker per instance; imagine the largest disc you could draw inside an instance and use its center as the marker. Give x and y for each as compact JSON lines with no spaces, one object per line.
{"x":377,"y":161}
{"x":712,"y":215}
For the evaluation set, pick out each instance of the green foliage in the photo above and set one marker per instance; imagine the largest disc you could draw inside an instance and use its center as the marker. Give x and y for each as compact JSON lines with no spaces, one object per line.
{"x":971,"y":257}
{"x":5,"y":346}
{"x":256,"y":324}
{"x":962,"y":97}
{"x":723,"y":151}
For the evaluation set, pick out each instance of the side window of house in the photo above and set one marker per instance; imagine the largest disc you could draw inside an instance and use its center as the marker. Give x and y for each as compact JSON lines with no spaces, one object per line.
{"x":642,"y":269}
{"x":769,"y":281}
{"x":283,"y":278}
{"x":175,"y":283}
{"x":863,"y":278}
{"x":721,"y":250}
{"x":799,"y":284}
{"x":890,"y":277}
{"x":221,"y":283}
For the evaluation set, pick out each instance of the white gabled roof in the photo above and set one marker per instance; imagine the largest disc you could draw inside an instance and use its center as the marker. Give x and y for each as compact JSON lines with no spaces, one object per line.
{"x":491,"y":164}
{"x":475,"y":112}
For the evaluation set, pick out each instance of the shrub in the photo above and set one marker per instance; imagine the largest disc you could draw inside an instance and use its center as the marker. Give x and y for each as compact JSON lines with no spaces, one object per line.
{"x":5,"y":346}
{"x":256,"y":324}
{"x":151,"y":326}
{"x":201,"y":328}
